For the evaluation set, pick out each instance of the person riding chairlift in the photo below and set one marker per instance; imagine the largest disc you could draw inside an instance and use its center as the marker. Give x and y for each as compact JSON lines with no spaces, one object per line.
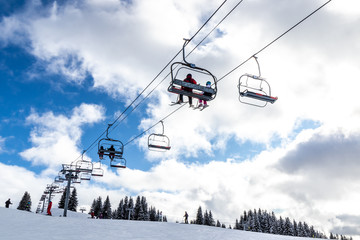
{"x":112,"y":152}
{"x":188,"y":79}
{"x":101,"y":152}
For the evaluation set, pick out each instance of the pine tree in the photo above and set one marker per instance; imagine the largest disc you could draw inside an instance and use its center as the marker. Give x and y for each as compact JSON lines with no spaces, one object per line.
{"x":93,"y":205}
{"x":218,"y":223}
{"x":61,"y":203}
{"x":295,"y":227}
{"x":206,"y":218}
{"x":130,"y":209}
{"x":152,"y":214}
{"x":98,"y":207}
{"x":125,"y":207}
{"x":288,"y":227}
{"x":73,"y":201}
{"x":137,"y":208}
{"x":120,"y":214}
{"x":199,"y":217}
{"x":144,"y":213}
{"x":25,"y":202}
{"x":106,"y":209}
{"x":211,"y":219}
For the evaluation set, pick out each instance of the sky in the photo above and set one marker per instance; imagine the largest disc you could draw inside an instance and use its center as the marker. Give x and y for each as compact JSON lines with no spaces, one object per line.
{"x":70,"y":68}
{"x":79,"y":226}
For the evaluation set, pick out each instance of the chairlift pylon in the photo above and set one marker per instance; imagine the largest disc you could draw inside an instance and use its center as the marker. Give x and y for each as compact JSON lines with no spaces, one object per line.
{"x":159,"y":142}
{"x":254,"y":89}
{"x":199,"y":90}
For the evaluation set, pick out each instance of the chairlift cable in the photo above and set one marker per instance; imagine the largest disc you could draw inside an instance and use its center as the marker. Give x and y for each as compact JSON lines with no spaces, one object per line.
{"x":253,"y":56}
{"x":216,"y":26}
{"x":123,"y":112}
{"x":276,"y":39}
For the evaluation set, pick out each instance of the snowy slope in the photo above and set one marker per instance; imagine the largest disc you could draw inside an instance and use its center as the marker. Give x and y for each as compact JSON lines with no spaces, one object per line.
{"x":15,"y":225}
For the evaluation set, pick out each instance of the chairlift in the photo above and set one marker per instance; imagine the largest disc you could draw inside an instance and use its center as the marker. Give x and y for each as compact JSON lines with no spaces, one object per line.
{"x":254,"y":89}
{"x":59,"y":179}
{"x":75,"y":178}
{"x":85,"y":176}
{"x":118,"y":163}
{"x":84,"y":165}
{"x":97,"y":170}
{"x":178,"y":72}
{"x":112,"y":148}
{"x":159,"y":142}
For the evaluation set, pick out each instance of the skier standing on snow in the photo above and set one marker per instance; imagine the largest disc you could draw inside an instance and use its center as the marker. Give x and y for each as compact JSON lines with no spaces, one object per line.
{"x":7,"y":203}
{"x":49,"y":208}
{"x":186,"y":217}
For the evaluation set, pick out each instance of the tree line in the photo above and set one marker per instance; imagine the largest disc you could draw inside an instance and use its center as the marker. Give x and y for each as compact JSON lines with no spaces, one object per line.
{"x":265,"y":222}
{"x":126,"y":209}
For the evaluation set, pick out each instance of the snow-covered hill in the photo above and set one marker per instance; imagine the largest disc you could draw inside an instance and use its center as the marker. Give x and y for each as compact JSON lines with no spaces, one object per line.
{"x":15,"y":225}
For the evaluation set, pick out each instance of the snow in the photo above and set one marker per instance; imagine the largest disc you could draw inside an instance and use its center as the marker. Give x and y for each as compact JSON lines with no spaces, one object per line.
{"x":16,"y":224}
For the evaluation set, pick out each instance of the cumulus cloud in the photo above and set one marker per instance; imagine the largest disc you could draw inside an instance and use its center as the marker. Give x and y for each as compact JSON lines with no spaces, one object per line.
{"x":55,"y":138}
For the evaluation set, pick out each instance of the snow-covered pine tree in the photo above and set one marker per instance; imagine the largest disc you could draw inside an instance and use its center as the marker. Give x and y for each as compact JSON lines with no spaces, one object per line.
{"x":301,"y":232}
{"x":73,"y":201}
{"x":288,"y":227}
{"x":106,"y":209}
{"x":125,"y":207}
{"x":306,"y":230}
{"x":120,"y":214}
{"x":144,"y":206}
{"x":199,"y":217}
{"x":152,"y":214}
{"x":137,"y":208}
{"x":206,"y":218}
{"x":25,"y":202}
{"x":295,"y":228}
{"x":211,"y":219}
{"x":130,"y":209}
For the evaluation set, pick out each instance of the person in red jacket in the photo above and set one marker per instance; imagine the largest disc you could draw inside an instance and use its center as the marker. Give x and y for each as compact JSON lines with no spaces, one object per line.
{"x":49,"y":208}
{"x":188,"y":79}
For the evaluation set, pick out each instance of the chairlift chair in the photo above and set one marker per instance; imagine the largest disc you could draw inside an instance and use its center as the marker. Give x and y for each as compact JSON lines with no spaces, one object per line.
{"x":159,"y":142}
{"x":85,"y":176}
{"x":110,"y":147}
{"x":59,"y":179}
{"x":97,"y":170}
{"x":118,"y":163}
{"x":254,"y":89}
{"x":84,"y":165}
{"x":199,"y":91}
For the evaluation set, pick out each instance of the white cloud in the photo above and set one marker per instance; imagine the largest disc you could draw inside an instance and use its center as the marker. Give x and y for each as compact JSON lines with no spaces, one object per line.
{"x":14,"y":181}
{"x":56,"y":139}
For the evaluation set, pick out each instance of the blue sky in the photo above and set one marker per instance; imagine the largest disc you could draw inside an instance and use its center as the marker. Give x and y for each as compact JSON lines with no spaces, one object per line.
{"x":68,"y":69}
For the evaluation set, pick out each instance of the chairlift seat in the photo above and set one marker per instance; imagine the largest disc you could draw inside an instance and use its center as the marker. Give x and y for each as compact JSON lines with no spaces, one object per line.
{"x":193,"y":86}
{"x":97,"y":172}
{"x":159,"y":147}
{"x":258,"y":96}
{"x":189,"y":94}
{"x":118,"y":163}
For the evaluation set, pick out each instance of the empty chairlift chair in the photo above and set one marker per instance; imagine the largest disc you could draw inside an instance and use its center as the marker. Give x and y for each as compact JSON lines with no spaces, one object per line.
{"x":255,"y":90}
{"x":159,"y":142}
